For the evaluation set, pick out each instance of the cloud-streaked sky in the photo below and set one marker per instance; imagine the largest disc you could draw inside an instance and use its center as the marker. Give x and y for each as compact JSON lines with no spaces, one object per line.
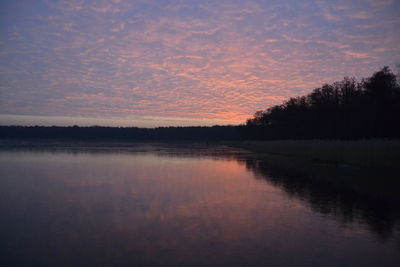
{"x":151,"y":63}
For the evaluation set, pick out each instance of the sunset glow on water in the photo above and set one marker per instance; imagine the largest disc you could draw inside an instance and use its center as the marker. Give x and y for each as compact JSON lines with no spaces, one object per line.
{"x":169,"y":208}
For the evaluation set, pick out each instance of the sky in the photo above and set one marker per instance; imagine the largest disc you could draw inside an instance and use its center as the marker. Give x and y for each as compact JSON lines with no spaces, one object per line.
{"x":167,"y":63}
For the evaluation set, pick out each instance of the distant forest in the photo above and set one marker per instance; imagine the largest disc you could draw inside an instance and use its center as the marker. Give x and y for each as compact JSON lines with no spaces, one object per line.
{"x":98,"y":133}
{"x":347,"y":110}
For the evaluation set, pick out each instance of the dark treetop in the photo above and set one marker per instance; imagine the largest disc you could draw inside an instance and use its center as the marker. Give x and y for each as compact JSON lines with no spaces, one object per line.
{"x":348,"y":109}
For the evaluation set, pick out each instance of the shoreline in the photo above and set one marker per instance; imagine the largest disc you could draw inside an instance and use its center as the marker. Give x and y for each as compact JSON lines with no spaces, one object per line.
{"x":360,"y":154}
{"x":368,"y":167}
{"x":374,"y":153}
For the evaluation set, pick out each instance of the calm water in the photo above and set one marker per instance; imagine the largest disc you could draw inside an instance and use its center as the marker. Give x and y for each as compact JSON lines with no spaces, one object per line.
{"x":157,"y":208}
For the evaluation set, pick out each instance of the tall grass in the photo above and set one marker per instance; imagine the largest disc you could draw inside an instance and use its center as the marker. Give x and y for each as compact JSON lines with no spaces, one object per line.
{"x":363,"y":153}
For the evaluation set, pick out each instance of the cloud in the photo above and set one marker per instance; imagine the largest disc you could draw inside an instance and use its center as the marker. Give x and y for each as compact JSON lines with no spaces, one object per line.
{"x":211,"y":60}
{"x":329,"y":16}
{"x":340,"y":7}
{"x":356,"y":54}
{"x":381,"y":3}
{"x":360,"y":15}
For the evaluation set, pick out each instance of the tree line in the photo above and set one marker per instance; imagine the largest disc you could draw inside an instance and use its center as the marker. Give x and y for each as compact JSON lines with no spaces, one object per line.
{"x":99,"y":133}
{"x":348,"y":109}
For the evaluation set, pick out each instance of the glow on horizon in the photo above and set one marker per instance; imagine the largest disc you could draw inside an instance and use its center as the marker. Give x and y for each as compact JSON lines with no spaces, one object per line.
{"x":142,"y":122}
{"x":201,"y":62}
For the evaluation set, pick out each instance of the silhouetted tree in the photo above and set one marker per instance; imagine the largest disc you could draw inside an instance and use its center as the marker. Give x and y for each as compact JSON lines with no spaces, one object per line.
{"x":347,"y":110}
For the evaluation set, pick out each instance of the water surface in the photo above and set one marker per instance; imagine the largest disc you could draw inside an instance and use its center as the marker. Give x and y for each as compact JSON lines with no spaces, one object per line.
{"x":166,"y":207}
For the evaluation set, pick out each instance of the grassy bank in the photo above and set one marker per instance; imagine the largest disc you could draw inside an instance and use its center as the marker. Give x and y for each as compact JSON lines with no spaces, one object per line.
{"x":368,"y":167}
{"x":359,"y":154}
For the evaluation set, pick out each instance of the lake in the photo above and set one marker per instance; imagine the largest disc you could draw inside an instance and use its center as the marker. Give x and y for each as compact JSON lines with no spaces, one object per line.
{"x":182,"y":206}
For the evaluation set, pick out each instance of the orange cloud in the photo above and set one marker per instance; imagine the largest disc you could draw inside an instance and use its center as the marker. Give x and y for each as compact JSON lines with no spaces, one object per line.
{"x":220,"y":60}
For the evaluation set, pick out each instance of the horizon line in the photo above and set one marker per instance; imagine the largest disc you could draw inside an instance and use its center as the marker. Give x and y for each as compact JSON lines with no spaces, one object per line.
{"x":134,"y":121}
